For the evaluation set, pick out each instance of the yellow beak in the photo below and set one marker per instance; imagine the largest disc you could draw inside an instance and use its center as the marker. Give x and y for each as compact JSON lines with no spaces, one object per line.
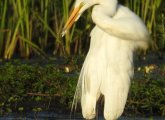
{"x":72,"y":18}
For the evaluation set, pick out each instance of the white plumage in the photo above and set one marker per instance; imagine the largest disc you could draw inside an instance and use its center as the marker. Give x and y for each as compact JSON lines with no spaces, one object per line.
{"x":108,"y":67}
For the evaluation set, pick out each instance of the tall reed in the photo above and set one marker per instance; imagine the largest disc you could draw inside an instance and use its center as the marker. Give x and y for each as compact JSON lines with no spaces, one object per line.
{"x":69,"y":35}
{"x":3,"y":12}
{"x":161,"y":27}
{"x":19,"y":29}
{"x":28,"y":27}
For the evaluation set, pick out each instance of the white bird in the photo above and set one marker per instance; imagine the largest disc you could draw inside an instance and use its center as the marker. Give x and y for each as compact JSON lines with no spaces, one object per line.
{"x":108,"y":67}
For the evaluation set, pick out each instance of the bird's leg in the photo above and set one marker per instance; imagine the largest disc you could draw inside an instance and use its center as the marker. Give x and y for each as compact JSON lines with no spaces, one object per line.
{"x":88,"y":104}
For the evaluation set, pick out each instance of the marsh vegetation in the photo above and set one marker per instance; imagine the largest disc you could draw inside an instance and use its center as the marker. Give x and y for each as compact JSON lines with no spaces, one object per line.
{"x":31,"y":30}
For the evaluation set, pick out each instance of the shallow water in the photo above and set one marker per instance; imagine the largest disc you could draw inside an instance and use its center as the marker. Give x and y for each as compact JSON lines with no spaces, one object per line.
{"x":55,"y":116}
{"x":122,"y":118}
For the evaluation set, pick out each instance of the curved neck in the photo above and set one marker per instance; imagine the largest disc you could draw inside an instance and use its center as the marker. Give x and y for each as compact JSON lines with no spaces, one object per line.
{"x":110,"y":6}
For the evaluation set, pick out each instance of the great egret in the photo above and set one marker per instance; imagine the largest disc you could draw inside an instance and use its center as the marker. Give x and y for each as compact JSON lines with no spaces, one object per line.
{"x":108,"y":67}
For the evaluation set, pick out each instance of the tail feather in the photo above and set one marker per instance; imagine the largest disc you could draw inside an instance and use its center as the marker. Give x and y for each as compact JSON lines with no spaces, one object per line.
{"x":78,"y":93}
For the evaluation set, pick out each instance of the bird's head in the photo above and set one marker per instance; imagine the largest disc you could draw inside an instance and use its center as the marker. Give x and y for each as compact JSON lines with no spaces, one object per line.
{"x":82,"y":5}
{"x":79,"y":7}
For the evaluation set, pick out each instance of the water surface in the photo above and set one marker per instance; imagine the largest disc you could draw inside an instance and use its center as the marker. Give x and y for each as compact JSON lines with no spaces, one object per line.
{"x":55,"y":116}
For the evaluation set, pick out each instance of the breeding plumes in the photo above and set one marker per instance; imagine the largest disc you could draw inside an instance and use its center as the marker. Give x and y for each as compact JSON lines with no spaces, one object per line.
{"x":108,"y":67}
